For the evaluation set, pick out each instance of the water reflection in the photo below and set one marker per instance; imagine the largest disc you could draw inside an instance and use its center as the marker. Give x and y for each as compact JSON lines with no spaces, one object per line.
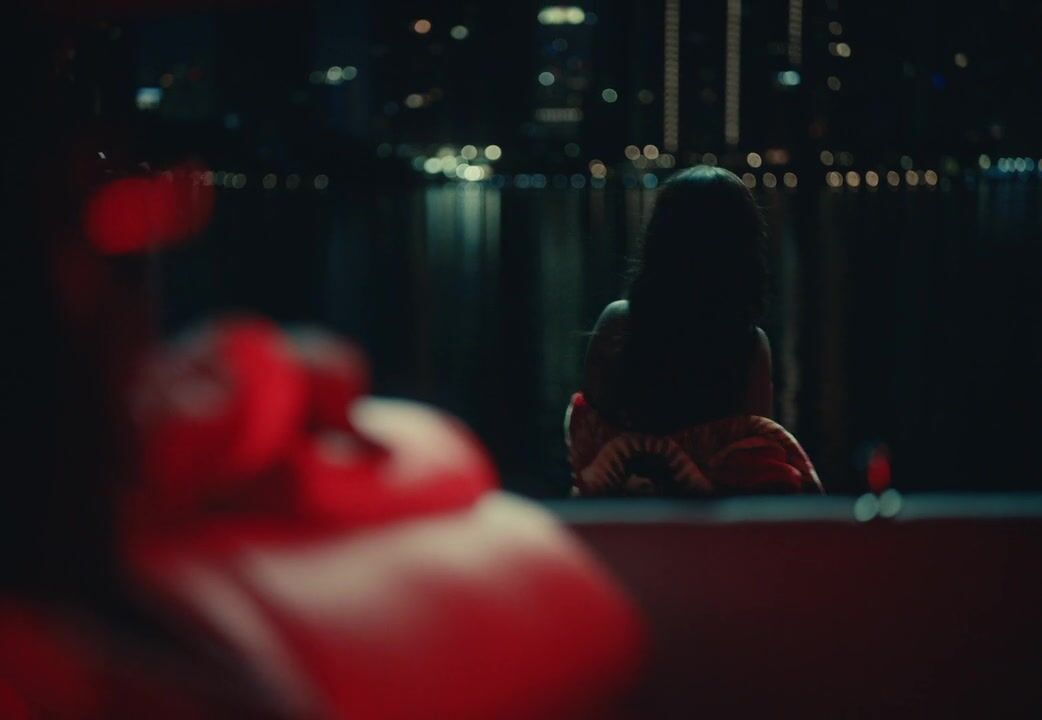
{"x":907,"y":316}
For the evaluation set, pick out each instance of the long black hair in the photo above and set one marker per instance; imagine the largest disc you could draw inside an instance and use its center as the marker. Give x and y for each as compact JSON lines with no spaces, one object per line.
{"x":698,"y":286}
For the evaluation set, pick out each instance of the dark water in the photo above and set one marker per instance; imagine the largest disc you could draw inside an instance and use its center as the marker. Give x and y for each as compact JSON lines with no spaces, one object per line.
{"x":910,"y":317}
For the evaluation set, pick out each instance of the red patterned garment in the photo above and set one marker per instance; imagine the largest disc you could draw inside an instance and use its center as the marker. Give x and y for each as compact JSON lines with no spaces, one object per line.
{"x":739,"y":455}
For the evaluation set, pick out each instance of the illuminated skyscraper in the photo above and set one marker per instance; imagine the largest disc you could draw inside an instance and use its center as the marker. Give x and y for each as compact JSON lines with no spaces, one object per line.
{"x":671,"y":77}
{"x":732,"y":73}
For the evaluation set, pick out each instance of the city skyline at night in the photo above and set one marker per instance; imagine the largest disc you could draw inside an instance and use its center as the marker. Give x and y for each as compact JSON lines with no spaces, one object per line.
{"x":560,"y":86}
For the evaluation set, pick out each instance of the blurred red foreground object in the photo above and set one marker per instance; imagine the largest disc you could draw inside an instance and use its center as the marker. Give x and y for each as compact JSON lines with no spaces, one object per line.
{"x":134,"y":214}
{"x":360,"y":562}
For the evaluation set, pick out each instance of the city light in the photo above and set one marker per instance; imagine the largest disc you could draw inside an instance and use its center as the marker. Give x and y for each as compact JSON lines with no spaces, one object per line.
{"x":269,"y":181}
{"x":769,"y":180}
{"x":961,"y":60}
{"x":546,"y":78}
{"x":632,"y":152}
{"x":334,"y":74}
{"x":432,"y":166}
{"x":930,"y":177}
{"x":562,"y":15}
{"x":350,"y":72}
{"x":836,"y":27}
{"x":321,"y":182}
{"x":421,"y":26}
{"x":666,"y":160}
{"x":834,"y":179}
{"x":493,"y":152}
{"x":853,"y":179}
{"x":754,"y":160}
{"x":459,"y":32}
{"x":872,"y":179}
{"x":469,"y":152}
{"x":906,"y":162}
{"x":473,"y":173}
{"x":893,"y":179}
{"x":789,"y":78}
{"x":709,"y":159}
{"x":414,"y":101}
{"x":834,"y":83}
{"x":148,"y":98}
{"x":598,"y":169}
{"x":790,"y":180}
{"x":827,"y":158}
{"x":839,"y":49}
{"x":912,"y":178}
{"x":609,"y":95}
{"x":650,"y":152}
{"x":749,"y":180}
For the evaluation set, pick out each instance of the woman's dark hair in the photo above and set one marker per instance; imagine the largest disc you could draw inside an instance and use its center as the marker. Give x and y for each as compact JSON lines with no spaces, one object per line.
{"x":697,"y":288}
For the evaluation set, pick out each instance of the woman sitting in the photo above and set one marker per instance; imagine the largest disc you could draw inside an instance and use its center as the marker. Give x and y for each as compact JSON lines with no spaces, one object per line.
{"x":677,"y":392}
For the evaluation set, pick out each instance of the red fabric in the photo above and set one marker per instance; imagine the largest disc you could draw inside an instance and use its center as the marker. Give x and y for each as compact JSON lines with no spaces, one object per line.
{"x":57,"y":663}
{"x":352,"y":552}
{"x":738,"y":455}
